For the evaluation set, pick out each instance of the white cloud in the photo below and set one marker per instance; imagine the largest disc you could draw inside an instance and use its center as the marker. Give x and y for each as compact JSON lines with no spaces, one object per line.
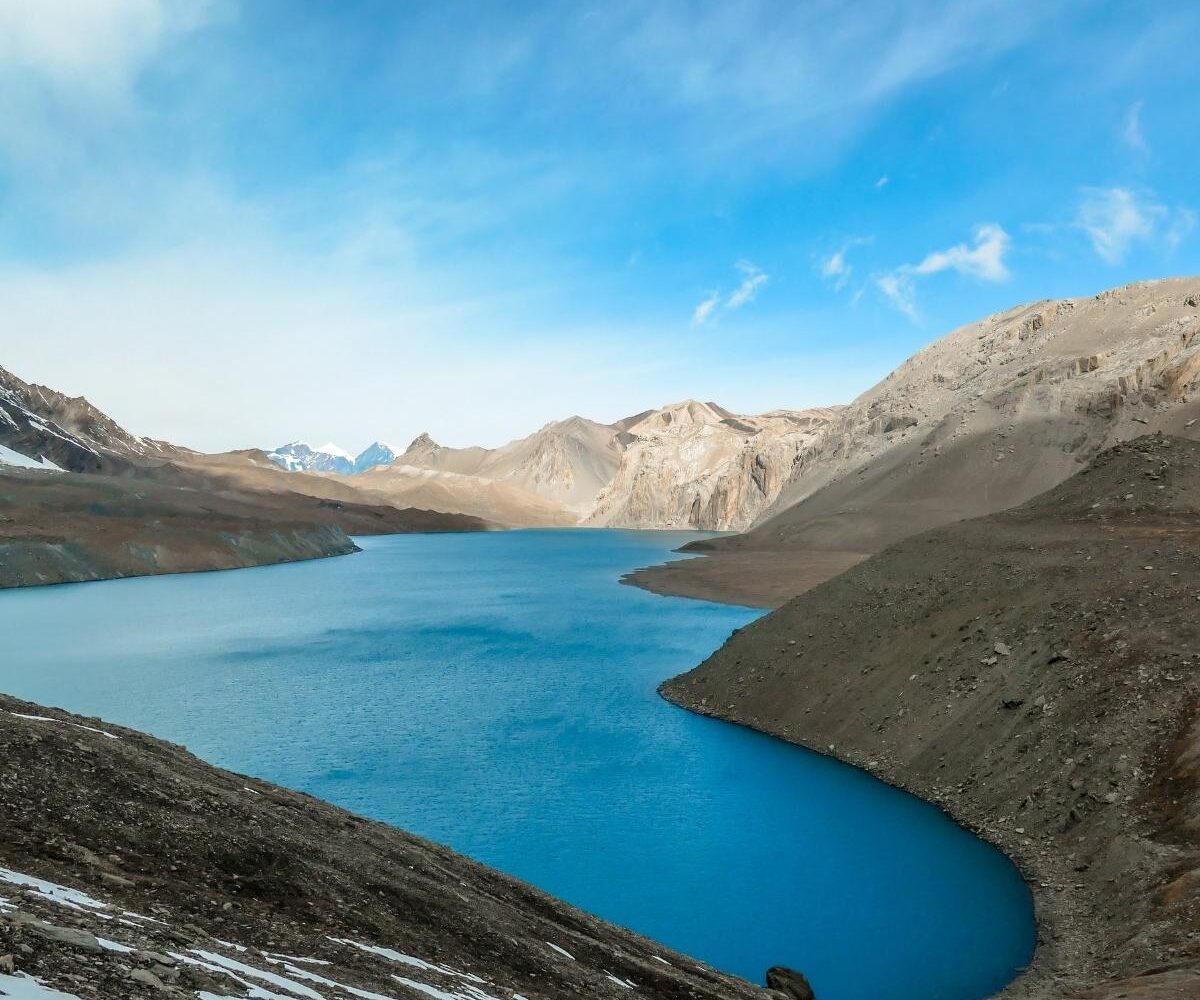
{"x":899,"y":290}
{"x":707,"y":307}
{"x":982,"y":259}
{"x":1115,"y":219}
{"x":94,"y":48}
{"x":717,"y":302}
{"x":753,"y":278}
{"x":883,"y":182}
{"x":985,"y":259}
{"x":1131,"y":130}
{"x":836,"y":269}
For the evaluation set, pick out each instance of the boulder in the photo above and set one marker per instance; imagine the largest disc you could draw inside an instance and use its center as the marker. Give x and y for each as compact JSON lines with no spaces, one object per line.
{"x":789,"y":982}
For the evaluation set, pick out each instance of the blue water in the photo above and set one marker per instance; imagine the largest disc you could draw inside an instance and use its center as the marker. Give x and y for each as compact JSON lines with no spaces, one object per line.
{"x":496,"y":692}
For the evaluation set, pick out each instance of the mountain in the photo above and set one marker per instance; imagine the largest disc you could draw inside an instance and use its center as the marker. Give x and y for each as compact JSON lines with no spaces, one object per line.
{"x":46,"y":426}
{"x":134,"y":871}
{"x":300,"y":456}
{"x":696,"y":465}
{"x":567,"y":461}
{"x":688,"y":465}
{"x":495,"y":501}
{"x":981,"y":420}
{"x":375,"y":454}
{"x":1036,"y":673}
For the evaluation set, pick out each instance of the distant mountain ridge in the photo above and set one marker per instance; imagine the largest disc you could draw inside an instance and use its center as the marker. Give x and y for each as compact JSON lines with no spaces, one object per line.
{"x":685,"y":465}
{"x":300,"y":456}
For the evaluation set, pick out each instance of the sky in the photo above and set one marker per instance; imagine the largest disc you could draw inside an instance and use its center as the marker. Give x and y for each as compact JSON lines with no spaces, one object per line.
{"x":235,"y":224}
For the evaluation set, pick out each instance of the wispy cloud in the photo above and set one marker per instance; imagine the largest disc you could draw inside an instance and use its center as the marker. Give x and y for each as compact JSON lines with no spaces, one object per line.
{"x":983,"y":258}
{"x":898,"y":288}
{"x":706,"y":308}
{"x":836,"y":268}
{"x":883,"y":182}
{"x":753,"y":278}
{"x":1116,"y":219}
{"x":1131,"y":130}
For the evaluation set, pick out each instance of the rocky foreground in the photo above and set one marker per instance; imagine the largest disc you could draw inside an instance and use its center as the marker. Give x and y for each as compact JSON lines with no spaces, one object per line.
{"x":130,"y":870}
{"x":1037,"y":673}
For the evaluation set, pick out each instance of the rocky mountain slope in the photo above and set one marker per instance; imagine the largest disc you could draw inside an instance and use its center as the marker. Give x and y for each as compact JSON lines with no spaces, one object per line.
{"x":687,"y":465}
{"x":696,"y":465}
{"x":1037,"y":673}
{"x":985,"y":418}
{"x":46,"y":426}
{"x":567,"y":461}
{"x":131,"y":870}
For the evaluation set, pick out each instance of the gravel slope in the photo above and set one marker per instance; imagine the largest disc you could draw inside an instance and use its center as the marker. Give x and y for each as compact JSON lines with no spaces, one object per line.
{"x":1037,"y":673}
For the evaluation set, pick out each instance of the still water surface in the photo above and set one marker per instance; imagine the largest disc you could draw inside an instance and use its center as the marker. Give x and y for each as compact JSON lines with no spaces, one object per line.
{"x":496,"y":692}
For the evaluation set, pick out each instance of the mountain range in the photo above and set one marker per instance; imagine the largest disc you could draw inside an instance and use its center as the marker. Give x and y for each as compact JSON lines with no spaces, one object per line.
{"x":686,"y":465}
{"x":982,"y":419}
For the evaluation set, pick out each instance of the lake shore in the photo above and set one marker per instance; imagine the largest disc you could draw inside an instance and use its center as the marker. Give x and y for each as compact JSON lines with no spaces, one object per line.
{"x":1037,"y":675}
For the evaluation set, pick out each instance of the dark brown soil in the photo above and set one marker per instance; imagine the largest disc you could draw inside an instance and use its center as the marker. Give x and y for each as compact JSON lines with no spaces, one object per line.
{"x":1037,"y":673}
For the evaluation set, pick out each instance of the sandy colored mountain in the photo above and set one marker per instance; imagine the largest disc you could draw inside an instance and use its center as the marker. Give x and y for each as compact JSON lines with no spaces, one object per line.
{"x":567,"y":462}
{"x":686,"y":465}
{"x":696,"y":465}
{"x":985,"y":418}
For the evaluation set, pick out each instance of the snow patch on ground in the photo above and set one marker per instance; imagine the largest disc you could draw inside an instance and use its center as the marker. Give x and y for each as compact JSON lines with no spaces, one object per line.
{"x":22,"y":987}
{"x":19,"y":461}
{"x":63,"y":722}
{"x":116,"y":946}
{"x":561,"y":951}
{"x":52,"y":891}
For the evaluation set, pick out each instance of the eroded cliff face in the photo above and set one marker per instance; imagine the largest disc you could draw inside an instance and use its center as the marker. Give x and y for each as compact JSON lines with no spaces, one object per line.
{"x":696,"y":465}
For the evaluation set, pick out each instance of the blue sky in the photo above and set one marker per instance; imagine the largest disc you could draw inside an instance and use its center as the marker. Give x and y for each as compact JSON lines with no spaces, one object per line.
{"x":237,"y":223}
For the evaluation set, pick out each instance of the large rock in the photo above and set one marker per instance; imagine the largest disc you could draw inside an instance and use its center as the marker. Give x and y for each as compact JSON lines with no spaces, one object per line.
{"x":789,"y":982}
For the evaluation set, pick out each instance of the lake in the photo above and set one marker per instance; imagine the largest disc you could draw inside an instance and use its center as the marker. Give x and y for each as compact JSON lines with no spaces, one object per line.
{"x":496,"y":692}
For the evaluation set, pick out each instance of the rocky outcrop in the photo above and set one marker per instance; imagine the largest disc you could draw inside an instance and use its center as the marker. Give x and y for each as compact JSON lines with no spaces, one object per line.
{"x":981,"y":420}
{"x":1037,"y":673}
{"x":129,"y":869}
{"x":696,"y":465}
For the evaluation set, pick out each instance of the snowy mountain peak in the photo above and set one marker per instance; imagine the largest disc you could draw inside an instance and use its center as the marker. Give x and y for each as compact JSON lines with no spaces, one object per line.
{"x":376,"y":454}
{"x":299,"y":456}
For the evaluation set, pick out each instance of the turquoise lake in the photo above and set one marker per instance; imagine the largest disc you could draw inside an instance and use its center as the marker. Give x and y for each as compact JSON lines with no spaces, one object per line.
{"x":496,"y":692}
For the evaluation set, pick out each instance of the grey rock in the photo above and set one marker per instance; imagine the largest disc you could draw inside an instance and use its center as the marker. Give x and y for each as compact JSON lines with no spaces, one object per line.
{"x":789,"y":982}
